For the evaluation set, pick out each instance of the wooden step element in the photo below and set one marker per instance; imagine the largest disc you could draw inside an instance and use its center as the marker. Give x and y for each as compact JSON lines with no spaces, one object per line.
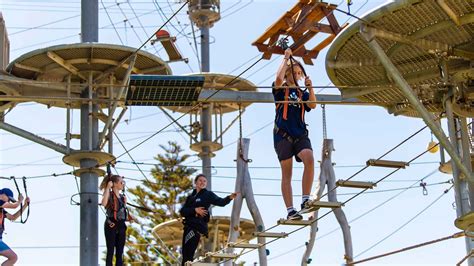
{"x":101,"y":116}
{"x":244,"y":245}
{"x":385,"y":163}
{"x":270,"y":234}
{"x":355,"y":184}
{"x":303,"y":22}
{"x":316,"y":204}
{"x":222,"y":255}
{"x":295,"y":222}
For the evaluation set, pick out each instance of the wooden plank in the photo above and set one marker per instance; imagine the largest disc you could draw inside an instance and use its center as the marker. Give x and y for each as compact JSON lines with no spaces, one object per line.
{"x":295,"y":222}
{"x":30,"y":68}
{"x":273,"y":40}
{"x":386,"y":163}
{"x":304,"y":16}
{"x":324,"y":204}
{"x":270,"y":234}
{"x":222,"y":255}
{"x":355,"y":184}
{"x":319,"y":27}
{"x":168,"y":43}
{"x":244,"y":245}
{"x":64,"y":64}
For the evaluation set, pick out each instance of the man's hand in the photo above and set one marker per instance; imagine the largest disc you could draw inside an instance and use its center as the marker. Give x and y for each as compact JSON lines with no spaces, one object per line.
{"x":233,"y":195}
{"x":200,"y":211}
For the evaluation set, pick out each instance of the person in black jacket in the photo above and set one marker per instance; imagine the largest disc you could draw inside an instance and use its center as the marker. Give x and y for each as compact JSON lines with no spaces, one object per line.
{"x":195,"y":213}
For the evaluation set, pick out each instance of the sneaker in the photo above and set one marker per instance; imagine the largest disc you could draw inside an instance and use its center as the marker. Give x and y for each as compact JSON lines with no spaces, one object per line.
{"x":303,"y":204}
{"x":294,"y":215}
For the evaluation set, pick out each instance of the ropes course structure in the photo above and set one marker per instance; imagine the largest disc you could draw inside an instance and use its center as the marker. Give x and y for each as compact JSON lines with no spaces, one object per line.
{"x":133,"y":77}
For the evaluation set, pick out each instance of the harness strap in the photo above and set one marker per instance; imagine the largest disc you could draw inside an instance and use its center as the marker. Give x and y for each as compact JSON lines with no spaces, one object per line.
{"x":115,"y":207}
{"x":300,"y":98}
{"x":287,"y":136}
{"x":285,"y":105}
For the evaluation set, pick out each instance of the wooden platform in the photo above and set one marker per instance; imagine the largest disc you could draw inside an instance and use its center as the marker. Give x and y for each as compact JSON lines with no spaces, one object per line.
{"x":301,"y":23}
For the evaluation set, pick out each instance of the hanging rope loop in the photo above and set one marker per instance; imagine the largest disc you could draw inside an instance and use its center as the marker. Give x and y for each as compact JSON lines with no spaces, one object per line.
{"x":325,"y":134}
{"x":241,"y":155}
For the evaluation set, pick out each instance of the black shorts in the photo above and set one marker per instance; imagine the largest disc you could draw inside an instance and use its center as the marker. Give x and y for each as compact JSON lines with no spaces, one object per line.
{"x":286,"y":149}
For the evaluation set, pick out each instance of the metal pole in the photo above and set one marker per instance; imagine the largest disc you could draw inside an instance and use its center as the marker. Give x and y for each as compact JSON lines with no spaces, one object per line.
{"x":467,"y":188}
{"x":68,"y":114}
{"x":89,"y":20}
{"x":428,"y":118}
{"x":462,"y":204}
{"x":110,"y":138}
{"x":89,"y":223}
{"x":206,"y":114}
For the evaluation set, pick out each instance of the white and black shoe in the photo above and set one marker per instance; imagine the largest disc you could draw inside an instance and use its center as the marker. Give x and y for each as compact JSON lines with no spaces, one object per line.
{"x":294,"y":215}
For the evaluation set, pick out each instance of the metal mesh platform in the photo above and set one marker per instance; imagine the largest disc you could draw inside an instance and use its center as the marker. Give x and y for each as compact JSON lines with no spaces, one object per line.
{"x":159,"y":90}
{"x":353,"y":67}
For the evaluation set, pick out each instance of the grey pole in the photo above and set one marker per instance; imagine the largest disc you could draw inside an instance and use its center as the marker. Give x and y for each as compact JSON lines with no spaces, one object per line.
{"x":89,"y":224}
{"x":206,"y":114}
{"x":466,"y":149}
{"x":461,"y":203}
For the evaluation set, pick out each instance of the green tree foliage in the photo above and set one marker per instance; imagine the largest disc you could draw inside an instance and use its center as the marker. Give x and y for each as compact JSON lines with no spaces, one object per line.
{"x":163,"y":194}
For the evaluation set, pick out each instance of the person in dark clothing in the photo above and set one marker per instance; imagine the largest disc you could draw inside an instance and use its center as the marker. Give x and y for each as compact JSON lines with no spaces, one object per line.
{"x":7,"y":201}
{"x":290,"y":136}
{"x":115,"y":229}
{"x":195,"y":213}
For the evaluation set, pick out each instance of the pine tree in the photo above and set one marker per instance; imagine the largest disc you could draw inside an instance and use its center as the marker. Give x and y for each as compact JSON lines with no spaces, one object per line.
{"x":163,"y":194}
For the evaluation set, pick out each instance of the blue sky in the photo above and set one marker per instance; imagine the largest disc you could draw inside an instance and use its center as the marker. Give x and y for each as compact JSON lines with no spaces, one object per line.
{"x":51,"y":235}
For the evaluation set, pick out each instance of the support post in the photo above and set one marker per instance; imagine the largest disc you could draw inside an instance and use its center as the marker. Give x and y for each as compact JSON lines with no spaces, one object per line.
{"x":243,"y":184}
{"x":428,"y":118}
{"x":89,"y":222}
{"x":206,"y":114}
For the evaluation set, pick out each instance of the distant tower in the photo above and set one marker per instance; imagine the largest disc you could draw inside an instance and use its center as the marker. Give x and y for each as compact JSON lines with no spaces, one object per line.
{"x":204,"y":13}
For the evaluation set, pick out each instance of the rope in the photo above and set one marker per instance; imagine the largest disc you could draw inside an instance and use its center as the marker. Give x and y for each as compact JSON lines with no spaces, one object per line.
{"x":319,"y":218}
{"x":465,"y":258}
{"x":456,"y":235}
{"x":406,"y":223}
{"x":325,"y":134}
{"x":241,"y":155}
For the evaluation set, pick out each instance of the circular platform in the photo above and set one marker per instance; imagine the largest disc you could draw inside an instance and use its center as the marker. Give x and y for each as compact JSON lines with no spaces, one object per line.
{"x":447,"y":168}
{"x":50,"y":68}
{"x":351,"y":64}
{"x":97,"y":171}
{"x":74,"y":158}
{"x":216,"y":81}
{"x":171,"y":232}
{"x":213,"y":146}
{"x":465,"y":222}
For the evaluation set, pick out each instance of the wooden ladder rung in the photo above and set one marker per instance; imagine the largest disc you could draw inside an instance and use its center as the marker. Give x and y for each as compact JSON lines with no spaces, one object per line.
{"x":270,"y":234}
{"x":385,"y":163}
{"x":355,"y":184}
{"x":324,"y":204}
{"x":222,"y":255}
{"x":244,"y":245}
{"x":295,"y":222}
